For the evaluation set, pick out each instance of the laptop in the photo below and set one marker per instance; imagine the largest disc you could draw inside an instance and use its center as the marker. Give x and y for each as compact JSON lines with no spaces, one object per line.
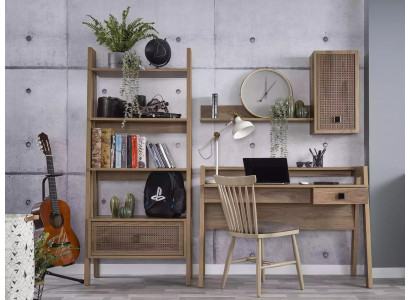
{"x":267,"y":170}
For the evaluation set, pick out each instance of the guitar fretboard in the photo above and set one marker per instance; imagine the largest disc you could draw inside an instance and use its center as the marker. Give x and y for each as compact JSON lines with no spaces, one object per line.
{"x":52,"y":185}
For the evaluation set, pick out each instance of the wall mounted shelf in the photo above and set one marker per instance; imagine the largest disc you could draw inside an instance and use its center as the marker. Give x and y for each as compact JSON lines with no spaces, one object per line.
{"x":225,"y":113}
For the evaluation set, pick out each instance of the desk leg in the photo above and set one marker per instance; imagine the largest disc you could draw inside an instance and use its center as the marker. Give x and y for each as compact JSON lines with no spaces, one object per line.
{"x":368,"y":244}
{"x":355,"y":237}
{"x":201,"y":261}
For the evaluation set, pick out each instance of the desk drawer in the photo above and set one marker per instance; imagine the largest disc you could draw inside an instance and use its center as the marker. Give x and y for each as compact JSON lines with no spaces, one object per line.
{"x":340,"y":196}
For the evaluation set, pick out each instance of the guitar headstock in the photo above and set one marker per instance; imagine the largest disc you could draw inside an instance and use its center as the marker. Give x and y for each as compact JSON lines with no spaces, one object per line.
{"x":44,"y":143}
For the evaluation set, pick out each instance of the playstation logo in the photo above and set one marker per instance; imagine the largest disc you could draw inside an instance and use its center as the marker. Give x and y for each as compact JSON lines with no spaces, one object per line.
{"x":158,"y":196}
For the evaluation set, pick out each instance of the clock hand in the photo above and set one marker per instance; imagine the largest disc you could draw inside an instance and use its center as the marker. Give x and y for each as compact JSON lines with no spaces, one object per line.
{"x":266,"y":93}
{"x":266,"y":85}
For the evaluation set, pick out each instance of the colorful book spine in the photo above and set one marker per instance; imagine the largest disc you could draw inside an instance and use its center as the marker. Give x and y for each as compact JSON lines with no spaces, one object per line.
{"x":161,"y":148}
{"x":142,"y":153}
{"x":106,"y":147}
{"x":135,"y":151}
{"x":112,"y":161}
{"x":118,"y":146}
{"x":168,"y":154}
{"x":129,"y":151}
{"x":96,"y":148}
{"x":123,"y":151}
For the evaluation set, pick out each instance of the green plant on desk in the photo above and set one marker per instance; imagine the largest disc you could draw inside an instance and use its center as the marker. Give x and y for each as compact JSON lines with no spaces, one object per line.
{"x":279,"y":130}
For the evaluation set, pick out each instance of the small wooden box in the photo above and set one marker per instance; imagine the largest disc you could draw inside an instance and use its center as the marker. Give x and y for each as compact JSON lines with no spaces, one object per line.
{"x":334,"y":91}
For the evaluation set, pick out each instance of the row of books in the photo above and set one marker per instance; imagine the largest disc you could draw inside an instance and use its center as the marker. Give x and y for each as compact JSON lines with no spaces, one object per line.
{"x":161,"y":155}
{"x":110,"y":150}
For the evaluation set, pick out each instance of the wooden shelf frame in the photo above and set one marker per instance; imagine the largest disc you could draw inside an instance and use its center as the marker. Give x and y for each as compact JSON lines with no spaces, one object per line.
{"x":135,"y":125}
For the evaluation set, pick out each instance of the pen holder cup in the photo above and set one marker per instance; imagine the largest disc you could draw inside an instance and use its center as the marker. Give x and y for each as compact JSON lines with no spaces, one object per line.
{"x":318,"y":161}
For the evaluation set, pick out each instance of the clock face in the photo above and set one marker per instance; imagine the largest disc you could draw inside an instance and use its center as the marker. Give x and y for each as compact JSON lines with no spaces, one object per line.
{"x":263,"y":88}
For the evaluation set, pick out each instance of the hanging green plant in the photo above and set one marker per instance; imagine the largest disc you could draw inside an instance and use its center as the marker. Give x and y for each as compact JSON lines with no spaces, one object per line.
{"x":131,"y":65}
{"x":279,"y":130}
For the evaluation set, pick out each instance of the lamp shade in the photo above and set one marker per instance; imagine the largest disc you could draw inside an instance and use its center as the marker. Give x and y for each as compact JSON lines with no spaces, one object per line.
{"x":242,"y":128}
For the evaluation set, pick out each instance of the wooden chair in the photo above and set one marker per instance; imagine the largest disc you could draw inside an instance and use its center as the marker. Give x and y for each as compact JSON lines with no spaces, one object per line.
{"x":240,"y":213}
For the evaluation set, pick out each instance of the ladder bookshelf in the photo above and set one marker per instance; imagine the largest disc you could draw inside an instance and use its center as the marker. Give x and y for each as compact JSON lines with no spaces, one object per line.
{"x":140,"y":236}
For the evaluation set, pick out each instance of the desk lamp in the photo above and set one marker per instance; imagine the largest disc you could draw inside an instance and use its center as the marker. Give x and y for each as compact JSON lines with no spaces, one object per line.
{"x":240,"y":130}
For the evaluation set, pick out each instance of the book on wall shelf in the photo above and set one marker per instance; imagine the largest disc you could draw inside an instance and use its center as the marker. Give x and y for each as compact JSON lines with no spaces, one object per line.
{"x":110,"y":150}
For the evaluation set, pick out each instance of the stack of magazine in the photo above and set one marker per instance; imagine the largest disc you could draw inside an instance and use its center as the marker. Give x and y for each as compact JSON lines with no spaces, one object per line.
{"x":161,"y":155}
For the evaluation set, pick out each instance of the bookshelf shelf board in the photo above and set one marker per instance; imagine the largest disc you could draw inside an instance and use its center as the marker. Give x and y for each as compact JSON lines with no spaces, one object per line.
{"x":140,"y":218}
{"x":140,"y":120}
{"x":143,"y":125}
{"x":136,"y":169}
{"x":147,"y":73}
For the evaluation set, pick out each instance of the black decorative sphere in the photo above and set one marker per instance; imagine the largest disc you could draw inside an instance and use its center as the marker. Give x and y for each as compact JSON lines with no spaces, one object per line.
{"x":158,"y":52}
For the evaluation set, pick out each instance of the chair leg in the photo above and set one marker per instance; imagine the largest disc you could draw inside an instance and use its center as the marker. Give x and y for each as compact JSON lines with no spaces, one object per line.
{"x":262,"y":258}
{"x":228,"y":261}
{"x":298,"y":265}
{"x":258,"y":268}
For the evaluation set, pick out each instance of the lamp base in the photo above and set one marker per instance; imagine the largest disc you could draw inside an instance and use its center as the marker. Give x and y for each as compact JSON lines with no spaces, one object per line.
{"x":210,"y":181}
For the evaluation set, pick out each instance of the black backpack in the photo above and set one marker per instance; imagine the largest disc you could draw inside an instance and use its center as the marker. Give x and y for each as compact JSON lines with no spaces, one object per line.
{"x":164,"y":195}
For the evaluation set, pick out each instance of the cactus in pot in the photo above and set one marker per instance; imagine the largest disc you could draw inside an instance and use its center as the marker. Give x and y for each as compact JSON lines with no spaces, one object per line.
{"x":125,"y":212}
{"x":114,"y":206}
{"x":130,"y":202}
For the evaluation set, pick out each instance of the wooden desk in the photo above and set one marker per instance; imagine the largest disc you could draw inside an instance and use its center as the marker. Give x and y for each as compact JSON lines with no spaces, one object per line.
{"x":311,"y":207}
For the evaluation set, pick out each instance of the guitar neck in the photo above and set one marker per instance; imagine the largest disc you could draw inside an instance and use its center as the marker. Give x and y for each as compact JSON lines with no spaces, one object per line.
{"x":52,"y":185}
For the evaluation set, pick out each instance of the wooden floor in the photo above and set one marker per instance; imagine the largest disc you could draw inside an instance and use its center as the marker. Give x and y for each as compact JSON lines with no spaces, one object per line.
{"x":237,"y":287}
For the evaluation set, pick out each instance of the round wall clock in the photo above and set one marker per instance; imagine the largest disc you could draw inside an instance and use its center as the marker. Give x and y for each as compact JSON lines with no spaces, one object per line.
{"x":263,"y":88}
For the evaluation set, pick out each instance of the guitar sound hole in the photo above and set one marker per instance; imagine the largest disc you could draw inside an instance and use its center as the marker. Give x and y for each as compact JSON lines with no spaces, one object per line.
{"x":56,"y":220}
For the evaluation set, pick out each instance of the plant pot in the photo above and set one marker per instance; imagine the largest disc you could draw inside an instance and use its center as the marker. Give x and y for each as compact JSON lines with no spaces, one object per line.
{"x":38,"y":289}
{"x":115,"y":59}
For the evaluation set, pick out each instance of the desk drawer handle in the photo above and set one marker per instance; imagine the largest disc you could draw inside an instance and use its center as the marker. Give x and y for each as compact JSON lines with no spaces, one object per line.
{"x":340,"y":196}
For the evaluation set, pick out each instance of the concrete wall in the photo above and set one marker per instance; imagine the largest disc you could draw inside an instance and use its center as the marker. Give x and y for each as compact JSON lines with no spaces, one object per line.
{"x":52,"y":64}
{"x":385,"y":137}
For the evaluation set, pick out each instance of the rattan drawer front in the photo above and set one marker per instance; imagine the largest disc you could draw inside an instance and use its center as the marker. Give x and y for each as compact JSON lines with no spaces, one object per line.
{"x":137,"y":238}
{"x":340,"y":196}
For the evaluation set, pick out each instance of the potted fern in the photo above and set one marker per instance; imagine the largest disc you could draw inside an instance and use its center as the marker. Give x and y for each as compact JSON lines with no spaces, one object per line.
{"x":120,"y":37}
{"x":44,"y":257}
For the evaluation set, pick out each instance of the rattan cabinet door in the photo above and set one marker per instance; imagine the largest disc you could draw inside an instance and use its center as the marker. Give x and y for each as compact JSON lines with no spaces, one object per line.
{"x":116,"y":239}
{"x":334,"y":86}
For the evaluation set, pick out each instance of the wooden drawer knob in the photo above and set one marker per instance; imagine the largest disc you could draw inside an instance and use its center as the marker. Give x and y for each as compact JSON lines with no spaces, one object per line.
{"x":341,"y":196}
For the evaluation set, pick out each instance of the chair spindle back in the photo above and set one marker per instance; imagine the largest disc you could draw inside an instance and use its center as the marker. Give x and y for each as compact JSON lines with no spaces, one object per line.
{"x":238,"y":202}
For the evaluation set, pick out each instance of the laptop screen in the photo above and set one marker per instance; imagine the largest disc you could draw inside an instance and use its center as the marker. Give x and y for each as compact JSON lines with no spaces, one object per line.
{"x":267,"y":170}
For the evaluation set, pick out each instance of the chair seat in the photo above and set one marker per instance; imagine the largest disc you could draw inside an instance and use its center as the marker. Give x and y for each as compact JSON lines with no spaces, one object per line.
{"x":275,"y":227}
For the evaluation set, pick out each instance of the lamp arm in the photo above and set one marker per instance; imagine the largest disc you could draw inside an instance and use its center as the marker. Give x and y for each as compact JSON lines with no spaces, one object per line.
{"x":216,"y":136}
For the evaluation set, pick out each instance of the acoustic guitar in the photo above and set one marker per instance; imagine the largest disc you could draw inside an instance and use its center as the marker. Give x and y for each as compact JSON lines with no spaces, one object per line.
{"x":54,"y":213}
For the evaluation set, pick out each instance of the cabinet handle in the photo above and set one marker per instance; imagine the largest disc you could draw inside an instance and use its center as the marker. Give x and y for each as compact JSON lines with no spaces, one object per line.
{"x":340,"y":196}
